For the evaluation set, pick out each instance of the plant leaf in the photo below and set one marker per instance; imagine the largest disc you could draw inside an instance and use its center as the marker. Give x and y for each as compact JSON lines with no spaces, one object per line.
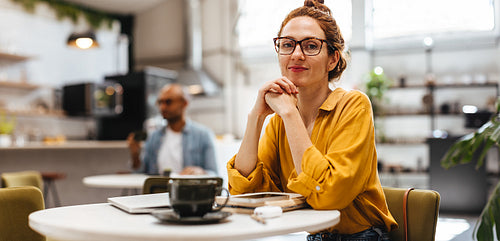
{"x":484,"y":228}
{"x":496,"y":212}
{"x":489,"y":217}
{"x":489,"y":143}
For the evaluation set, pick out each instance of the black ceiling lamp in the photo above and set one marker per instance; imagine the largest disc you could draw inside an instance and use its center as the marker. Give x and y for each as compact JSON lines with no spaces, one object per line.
{"x":83,"y":40}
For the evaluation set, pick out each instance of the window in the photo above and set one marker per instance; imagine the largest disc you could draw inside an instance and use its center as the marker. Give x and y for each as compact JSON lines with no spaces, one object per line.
{"x":260,"y":20}
{"x":401,"y":18}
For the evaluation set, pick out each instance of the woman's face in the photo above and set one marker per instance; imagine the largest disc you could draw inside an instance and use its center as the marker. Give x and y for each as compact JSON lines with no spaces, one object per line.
{"x":305,"y":70}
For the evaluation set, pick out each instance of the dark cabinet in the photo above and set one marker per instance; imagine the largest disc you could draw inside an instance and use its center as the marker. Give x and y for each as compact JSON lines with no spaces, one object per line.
{"x":462,"y":187}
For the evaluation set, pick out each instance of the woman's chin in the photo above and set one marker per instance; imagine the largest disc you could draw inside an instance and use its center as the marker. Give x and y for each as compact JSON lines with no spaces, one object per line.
{"x":296,"y":81}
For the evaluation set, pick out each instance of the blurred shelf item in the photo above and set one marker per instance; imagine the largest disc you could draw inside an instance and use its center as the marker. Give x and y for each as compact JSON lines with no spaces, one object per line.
{"x":18,"y":85}
{"x":33,"y":113}
{"x":437,"y":86}
{"x":69,"y":144}
{"x":417,"y":113}
{"x":405,"y":179}
{"x":7,"y":57}
{"x":402,"y":141}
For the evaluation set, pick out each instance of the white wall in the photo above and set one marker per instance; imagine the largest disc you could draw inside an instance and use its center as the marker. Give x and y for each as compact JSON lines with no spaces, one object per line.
{"x":160,"y":40}
{"x":159,"y":36}
{"x":42,"y":37}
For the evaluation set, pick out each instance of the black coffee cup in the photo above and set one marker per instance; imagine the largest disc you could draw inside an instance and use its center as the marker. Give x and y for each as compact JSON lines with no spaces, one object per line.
{"x":195,"y":196}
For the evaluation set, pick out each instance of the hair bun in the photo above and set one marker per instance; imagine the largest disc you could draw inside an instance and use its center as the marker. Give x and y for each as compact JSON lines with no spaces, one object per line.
{"x":317,"y":5}
{"x":310,"y":3}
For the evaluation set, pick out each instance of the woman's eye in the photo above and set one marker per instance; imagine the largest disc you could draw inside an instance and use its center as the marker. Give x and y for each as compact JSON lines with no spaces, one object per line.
{"x":312,"y":46}
{"x":287,"y":45}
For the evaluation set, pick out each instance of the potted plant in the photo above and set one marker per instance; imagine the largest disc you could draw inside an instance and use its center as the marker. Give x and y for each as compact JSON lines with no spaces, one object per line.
{"x":462,"y":152}
{"x":377,"y":83}
{"x":6,"y":128}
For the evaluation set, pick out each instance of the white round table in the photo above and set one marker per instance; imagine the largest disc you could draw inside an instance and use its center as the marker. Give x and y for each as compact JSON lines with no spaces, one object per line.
{"x":133,"y":180}
{"x":105,"y":222}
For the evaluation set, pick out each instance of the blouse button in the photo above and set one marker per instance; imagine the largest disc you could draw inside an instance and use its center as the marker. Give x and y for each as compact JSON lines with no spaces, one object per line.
{"x":318,"y":188}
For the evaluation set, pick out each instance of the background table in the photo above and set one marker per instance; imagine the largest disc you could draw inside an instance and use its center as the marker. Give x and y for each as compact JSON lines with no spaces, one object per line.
{"x":129,"y":180}
{"x":105,"y":222}
{"x":133,"y":180}
{"x":129,"y":183}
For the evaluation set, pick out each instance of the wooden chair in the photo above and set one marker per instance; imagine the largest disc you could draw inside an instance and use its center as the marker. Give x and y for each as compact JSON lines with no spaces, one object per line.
{"x":16,"y":204}
{"x":155,"y":184}
{"x":422,"y":213}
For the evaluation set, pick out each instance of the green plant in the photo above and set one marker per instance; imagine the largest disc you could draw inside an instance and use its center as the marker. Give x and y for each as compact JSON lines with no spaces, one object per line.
{"x":7,"y":124}
{"x":377,"y":83}
{"x":71,"y":11}
{"x":462,"y":152}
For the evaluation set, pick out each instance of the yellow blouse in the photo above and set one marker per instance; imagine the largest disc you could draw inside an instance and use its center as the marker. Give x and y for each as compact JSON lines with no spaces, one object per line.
{"x":339,"y":171}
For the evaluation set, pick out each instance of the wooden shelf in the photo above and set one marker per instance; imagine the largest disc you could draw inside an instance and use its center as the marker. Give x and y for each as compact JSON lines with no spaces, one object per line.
{"x":13,"y":57}
{"x":33,"y":113}
{"x":437,"y":86}
{"x":422,"y":113}
{"x":402,"y":141}
{"x":18,"y":85}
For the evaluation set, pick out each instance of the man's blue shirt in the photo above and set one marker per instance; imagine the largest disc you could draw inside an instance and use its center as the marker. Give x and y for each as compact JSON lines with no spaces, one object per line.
{"x":198,"y":149}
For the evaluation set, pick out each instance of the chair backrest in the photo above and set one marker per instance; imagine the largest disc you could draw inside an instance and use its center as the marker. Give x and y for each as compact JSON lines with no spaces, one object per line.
{"x":22,"y":178}
{"x":16,"y":204}
{"x":422,"y":213}
{"x":155,"y":184}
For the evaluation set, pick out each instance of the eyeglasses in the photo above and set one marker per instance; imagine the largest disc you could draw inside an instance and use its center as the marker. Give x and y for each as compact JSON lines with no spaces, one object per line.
{"x":309,"y":46}
{"x":167,"y":101}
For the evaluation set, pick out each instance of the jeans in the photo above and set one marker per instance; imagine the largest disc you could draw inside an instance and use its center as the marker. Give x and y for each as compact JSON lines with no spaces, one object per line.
{"x":371,"y":234}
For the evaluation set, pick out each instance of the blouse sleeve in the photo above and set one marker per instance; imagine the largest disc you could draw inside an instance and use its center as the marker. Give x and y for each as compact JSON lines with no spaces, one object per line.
{"x":333,"y":176}
{"x":264,"y":178}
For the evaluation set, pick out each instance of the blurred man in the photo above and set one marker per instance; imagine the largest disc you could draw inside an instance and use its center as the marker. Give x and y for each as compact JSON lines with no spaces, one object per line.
{"x":183,"y":146}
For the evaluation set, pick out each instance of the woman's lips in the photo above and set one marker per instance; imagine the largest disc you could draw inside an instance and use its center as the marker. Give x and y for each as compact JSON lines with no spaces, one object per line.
{"x":297,"y":68}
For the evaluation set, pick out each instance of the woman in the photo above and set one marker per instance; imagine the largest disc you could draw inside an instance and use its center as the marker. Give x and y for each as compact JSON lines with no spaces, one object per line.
{"x":321,"y":142}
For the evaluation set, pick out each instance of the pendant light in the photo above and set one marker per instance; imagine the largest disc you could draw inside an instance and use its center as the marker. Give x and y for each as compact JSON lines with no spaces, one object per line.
{"x":83,"y":40}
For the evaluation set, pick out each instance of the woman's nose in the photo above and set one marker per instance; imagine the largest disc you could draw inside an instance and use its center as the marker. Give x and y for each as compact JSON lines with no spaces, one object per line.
{"x":297,"y":52}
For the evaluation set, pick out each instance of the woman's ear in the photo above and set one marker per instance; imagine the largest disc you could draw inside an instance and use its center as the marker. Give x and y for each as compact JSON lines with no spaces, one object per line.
{"x":334,"y":59}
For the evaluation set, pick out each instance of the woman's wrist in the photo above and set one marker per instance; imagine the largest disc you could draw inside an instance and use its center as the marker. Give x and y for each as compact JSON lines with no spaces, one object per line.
{"x":289,"y":112}
{"x":254,"y":115}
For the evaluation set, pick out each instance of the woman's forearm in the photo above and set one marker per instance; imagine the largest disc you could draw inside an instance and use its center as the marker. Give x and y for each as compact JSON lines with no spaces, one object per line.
{"x":246,"y":158}
{"x":297,"y":136}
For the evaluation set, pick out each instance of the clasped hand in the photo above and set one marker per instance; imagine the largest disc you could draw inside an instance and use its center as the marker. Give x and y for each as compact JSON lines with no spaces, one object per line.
{"x":276,"y":96}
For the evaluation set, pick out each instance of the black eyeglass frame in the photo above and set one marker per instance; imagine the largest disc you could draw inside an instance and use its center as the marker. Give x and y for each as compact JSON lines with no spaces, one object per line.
{"x":300,"y":43}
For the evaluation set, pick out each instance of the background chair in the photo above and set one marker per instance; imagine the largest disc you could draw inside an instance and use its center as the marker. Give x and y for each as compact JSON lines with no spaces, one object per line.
{"x":16,"y":203}
{"x":49,"y":185}
{"x":422,"y":213}
{"x":155,"y":184}
{"x":23,"y":178}
{"x":45,"y":181}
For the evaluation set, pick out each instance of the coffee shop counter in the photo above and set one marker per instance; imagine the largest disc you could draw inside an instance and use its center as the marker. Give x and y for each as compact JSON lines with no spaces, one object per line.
{"x":76,"y":159}
{"x":68,"y":145}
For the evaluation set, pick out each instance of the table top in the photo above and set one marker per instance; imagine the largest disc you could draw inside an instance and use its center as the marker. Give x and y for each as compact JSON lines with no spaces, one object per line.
{"x":132,"y":180}
{"x":128,"y":180}
{"x":106,"y":222}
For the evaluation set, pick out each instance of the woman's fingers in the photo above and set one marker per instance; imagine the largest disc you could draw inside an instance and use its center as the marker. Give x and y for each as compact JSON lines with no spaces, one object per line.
{"x":290,"y":86}
{"x":280,"y":85}
{"x":283,"y":84}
